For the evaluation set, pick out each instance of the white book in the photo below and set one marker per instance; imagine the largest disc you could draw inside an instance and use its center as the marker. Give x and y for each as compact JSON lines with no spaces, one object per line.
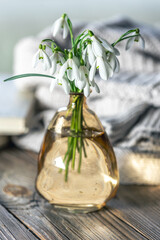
{"x":16,"y":108}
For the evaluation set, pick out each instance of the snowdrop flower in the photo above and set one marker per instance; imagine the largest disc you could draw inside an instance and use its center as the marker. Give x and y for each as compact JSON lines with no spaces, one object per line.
{"x":59,"y":24}
{"x":56,"y":76}
{"x":101,"y":46}
{"x":84,"y":83}
{"x":41,"y":56}
{"x":60,"y":81}
{"x":105,"y":70}
{"x":86,"y":90}
{"x":90,"y":54}
{"x":97,"y":47}
{"x":108,"y":47}
{"x":83,"y":77}
{"x":71,"y":68}
{"x":66,"y":85}
{"x":138,"y":38}
{"x":113,"y":61}
{"x":56,"y":59}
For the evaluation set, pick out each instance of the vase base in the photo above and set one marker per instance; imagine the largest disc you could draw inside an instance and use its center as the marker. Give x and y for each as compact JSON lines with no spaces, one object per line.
{"x":78,"y":209}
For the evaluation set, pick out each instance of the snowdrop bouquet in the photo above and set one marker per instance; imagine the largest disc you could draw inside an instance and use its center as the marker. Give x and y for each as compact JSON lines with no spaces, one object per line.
{"x":75,"y":69}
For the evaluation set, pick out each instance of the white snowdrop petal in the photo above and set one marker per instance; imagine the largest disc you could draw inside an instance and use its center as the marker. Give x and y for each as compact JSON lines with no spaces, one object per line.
{"x":63,"y":69}
{"x":102,"y":68}
{"x":35,"y":59}
{"x":86,"y":90}
{"x":129,"y":43}
{"x":81,"y":73}
{"x":83,"y":77}
{"x":65,"y":30}
{"x":97,"y":48}
{"x":76,"y":60}
{"x":70,"y":74}
{"x":116,"y":52}
{"x":47,"y":60}
{"x":61,"y":59}
{"x":109,"y":69}
{"x":84,"y":71}
{"x":107,"y":45}
{"x":44,"y":65}
{"x":65,"y":86}
{"x":96,"y":88}
{"x":91,"y":56}
{"x":84,"y":55}
{"x":141,"y":42}
{"x":53,"y":68}
{"x":112,"y":61}
{"x":54,"y":59}
{"x":75,"y":69}
{"x":92,"y":71}
{"x":93,"y":83}
{"x":57,"y":26}
{"x":81,"y":84}
{"x":117,"y":66}
{"x":53,"y":83}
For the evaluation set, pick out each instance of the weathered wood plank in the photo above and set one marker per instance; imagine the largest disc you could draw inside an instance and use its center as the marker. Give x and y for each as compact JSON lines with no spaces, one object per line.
{"x":18,"y":171}
{"x":11,"y":228}
{"x":139,"y":207}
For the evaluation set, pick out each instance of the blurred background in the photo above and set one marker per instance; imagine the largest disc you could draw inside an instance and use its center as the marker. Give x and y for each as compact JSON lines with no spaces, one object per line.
{"x":19,"y":18}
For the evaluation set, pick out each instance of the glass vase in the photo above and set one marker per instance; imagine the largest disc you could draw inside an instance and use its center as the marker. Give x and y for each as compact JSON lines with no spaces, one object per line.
{"x":77,"y":169}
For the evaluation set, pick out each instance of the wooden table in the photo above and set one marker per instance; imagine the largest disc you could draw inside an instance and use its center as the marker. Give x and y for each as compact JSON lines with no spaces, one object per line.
{"x":133,"y":214}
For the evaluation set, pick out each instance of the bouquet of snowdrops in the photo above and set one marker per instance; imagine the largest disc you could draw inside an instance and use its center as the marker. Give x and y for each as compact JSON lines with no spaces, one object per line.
{"x":74,"y":69}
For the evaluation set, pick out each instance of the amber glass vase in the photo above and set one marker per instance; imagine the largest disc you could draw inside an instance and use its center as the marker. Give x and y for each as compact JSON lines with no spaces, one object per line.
{"x":77,"y":165}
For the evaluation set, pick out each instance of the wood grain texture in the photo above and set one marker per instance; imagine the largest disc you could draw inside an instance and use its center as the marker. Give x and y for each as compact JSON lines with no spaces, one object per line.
{"x":11,"y":228}
{"x":133,"y":214}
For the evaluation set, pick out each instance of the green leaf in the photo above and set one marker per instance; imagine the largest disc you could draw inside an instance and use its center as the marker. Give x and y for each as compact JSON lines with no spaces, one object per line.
{"x":27,"y":75}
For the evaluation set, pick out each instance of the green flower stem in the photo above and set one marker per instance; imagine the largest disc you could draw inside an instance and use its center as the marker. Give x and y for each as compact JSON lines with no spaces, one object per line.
{"x":74,"y":152}
{"x":76,"y":142}
{"x":70,"y":30}
{"x":113,"y":44}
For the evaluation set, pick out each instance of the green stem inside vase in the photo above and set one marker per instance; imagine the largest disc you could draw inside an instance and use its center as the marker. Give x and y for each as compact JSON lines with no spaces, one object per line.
{"x":75,"y":140}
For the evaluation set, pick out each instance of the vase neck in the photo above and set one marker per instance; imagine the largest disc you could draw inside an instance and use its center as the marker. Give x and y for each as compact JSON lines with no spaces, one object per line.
{"x":77,"y":96}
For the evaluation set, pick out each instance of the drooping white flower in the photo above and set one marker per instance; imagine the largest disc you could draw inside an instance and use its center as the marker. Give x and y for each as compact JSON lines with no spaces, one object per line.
{"x":105,"y":70}
{"x":131,"y":40}
{"x":108,"y":47}
{"x":90,"y":54}
{"x":97,"y":47}
{"x":66,"y":85}
{"x":41,"y":57}
{"x":56,"y":59}
{"x":60,"y":24}
{"x":113,"y":61}
{"x":86,"y":90}
{"x":71,"y":68}
{"x":83,"y":77}
{"x":60,"y":81}
{"x":57,"y":79}
{"x":89,"y":84}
